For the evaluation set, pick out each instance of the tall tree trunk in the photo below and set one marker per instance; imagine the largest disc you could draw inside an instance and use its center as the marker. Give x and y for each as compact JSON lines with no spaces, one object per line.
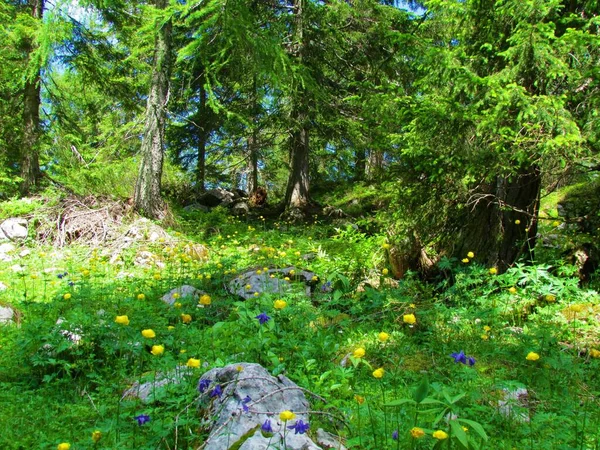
{"x":30,"y":165}
{"x":252,"y":142}
{"x":374,"y":164}
{"x":201,"y":150}
{"x":502,"y":224}
{"x":147,"y":197}
{"x":297,"y":192}
{"x":360,"y":163}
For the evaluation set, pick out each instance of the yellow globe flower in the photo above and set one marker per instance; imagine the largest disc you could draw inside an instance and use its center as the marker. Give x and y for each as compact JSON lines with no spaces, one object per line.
{"x":286,"y":415}
{"x":439,"y":434}
{"x":556,"y":223}
{"x":493,"y":271}
{"x":577,"y":308}
{"x":148,"y":333}
{"x":176,"y":295}
{"x":595,"y":353}
{"x":512,"y":290}
{"x":410,"y":319}
{"x":193,"y":363}
{"x":63,"y":446}
{"x":157,"y":350}
{"x":417,"y":432}
{"x":157,"y":276}
{"x":532,"y":356}
{"x":205,"y":300}
{"x":141,"y":297}
{"x":484,"y":337}
{"x":487,"y":328}
{"x":385,"y":246}
{"x":280,"y":304}
{"x":359,"y":399}
{"x":465,"y":260}
{"x":517,"y":222}
{"x":186,"y":318}
{"x":67,"y":296}
{"x":96,"y":435}
{"x":359,"y":352}
{"x":379,"y":373}
{"x":122,"y":320}
{"x":550,"y":298}
{"x":177,"y":305}
{"x":471,"y":255}
{"x":383,"y":336}
{"x":385,"y":271}
{"x":248,"y":287}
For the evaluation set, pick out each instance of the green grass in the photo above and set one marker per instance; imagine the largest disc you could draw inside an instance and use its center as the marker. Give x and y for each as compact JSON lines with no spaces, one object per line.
{"x":53,"y":391}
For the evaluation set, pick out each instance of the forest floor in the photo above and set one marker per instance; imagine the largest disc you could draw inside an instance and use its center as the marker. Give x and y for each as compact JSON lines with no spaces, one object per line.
{"x":470,"y":359}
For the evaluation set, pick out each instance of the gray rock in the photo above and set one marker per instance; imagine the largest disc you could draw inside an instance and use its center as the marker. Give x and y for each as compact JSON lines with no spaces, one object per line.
{"x":5,"y":249}
{"x":3,"y":287}
{"x":514,"y":404}
{"x":7,"y":314}
{"x":248,"y":283}
{"x":183,"y":291}
{"x":156,"y":388}
{"x":216,"y":197}
{"x":13,"y":229}
{"x":240,"y":209}
{"x":264,"y":397}
{"x":328,"y":440}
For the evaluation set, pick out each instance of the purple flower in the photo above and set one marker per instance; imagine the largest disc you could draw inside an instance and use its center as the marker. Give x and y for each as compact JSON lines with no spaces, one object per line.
{"x":471,"y":361}
{"x":299,"y":427}
{"x":203,"y":385}
{"x":266,"y":427}
{"x":263,"y":318}
{"x":459,"y":357}
{"x":245,"y":402}
{"x":217,"y":391}
{"x":326,"y":287}
{"x":142,"y":419}
{"x":395,"y":435}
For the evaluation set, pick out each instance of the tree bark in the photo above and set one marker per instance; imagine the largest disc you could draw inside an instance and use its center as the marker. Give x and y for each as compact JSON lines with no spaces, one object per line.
{"x":147,"y":197}
{"x":30,"y":165}
{"x":502,"y":223}
{"x":360,"y":164}
{"x":297,"y":192}
{"x":201,"y":150}
{"x":374,"y":164}
{"x":252,"y":182}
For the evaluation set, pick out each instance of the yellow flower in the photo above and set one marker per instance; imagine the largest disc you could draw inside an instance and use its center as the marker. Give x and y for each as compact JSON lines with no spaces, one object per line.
{"x":484,"y":337}
{"x":170,"y":327}
{"x":595,"y":353}
{"x":183,"y":350}
{"x":359,"y":399}
{"x":412,"y":305}
{"x":176,"y":295}
{"x":385,"y":246}
{"x":577,"y":308}
{"x":532,"y":356}
{"x":240,"y":368}
{"x":359,"y":352}
{"x":186,"y":318}
{"x":286,"y":415}
{"x":439,"y":434}
{"x":517,"y":222}
{"x":465,"y":429}
{"x":193,"y":363}
{"x":148,"y":333}
{"x":279,"y":304}
{"x":493,"y":271}
{"x":465,"y":260}
{"x":248,"y":287}
{"x":471,"y":255}
{"x":177,"y":305}
{"x":205,"y":300}
{"x":157,"y":276}
{"x":96,"y":435}
{"x":512,"y":290}
{"x":67,"y":296}
{"x":409,"y":318}
{"x":141,"y":296}
{"x":385,"y":271}
{"x":157,"y":350}
{"x":487,"y":328}
{"x":417,"y":432}
{"x":63,"y":446}
{"x":315,"y":278}
{"x":550,"y":298}
{"x":85,"y":273}
{"x":122,"y":320}
{"x":556,"y":223}
{"x":383,"y":336}
{"x":379,"y":373}
{"x":258,"y":272}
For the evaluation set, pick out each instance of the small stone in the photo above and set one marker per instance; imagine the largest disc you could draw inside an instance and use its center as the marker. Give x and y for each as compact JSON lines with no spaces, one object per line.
{"x":6,"y":314}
